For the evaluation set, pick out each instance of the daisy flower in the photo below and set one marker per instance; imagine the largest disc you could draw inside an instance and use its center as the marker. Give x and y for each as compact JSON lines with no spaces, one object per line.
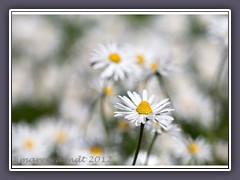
{"x":61,"y":133}
{"x":163,"y":65}
{"x":155,"y":127}
{"x":30,"y":146}
{"x":195,"y":151}
{"x":114,"y":60}
{"x":140,"y":109}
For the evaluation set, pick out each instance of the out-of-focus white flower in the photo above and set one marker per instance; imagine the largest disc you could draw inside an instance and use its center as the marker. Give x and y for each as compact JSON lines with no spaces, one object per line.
{"x":22,"y":80}
{"x":155,"y":127}
{"x":221,"y":151}
{"x":138,"y":110}
{"x":197,"y":151}
{"x":30,"y":146}
{"x":208,"y":58}
{"x":140,"y":55}
{"x":188,"y":99}
{"x":35,"y":36}
{"x":163,"y":65}
{"x":91,"y":151}
{"x":218,"y":30}
{"x":60,"y":133}
{"x":114,"y":61}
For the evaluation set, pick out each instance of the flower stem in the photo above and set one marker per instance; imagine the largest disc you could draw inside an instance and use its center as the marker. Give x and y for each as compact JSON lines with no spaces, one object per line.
{"x":139,"y":144}
{"x":150,"y":147}
{"x":162,"y":85}
{"x":91,"y":108}
{"x":104,"y":119}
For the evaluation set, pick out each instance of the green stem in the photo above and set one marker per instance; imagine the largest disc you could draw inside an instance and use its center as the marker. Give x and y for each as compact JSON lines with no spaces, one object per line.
{"x":162,"y":85}
{"x":150,"y":147}
{"x":92,"y":107}
{"x":104,"y":119}
{"x":214,"y":88}
{"x":139,"y":144}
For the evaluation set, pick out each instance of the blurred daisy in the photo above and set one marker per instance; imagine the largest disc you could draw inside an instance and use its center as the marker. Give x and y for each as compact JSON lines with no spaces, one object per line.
{"x":117,"y":65}
{"x":30,"y":146}
{"x":218,"y":30}
{"x":163,"y":65}
{"x":155,"y":127}
{"x":140,"y":55}
{"x":60,"y":133}
{"x":139,"y":110}
{"x":196,"y":151}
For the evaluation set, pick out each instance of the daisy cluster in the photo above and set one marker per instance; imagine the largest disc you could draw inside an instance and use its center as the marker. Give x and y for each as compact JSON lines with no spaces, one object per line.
{"x":86,"y":87}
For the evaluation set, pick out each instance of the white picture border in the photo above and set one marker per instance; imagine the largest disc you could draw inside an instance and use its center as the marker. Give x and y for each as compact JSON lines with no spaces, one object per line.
{"x":117,"y":12}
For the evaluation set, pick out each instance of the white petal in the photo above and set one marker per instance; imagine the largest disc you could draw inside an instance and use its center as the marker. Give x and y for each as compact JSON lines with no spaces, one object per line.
{"x":155,"y":106}
{"x":137,"y":98}
{"x":132,"y":98}
{"x":122,"y":107}
{"x":132,"y":116}
{"x":150,"y":99}
{"x":144,"y":95}
{"x":169,"y":118}
{"x":127,"y":102}
{"x":161,"y":107}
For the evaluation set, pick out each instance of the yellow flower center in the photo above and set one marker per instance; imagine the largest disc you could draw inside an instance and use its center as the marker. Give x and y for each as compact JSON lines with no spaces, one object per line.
{"x":154,"y":66}
{"x":61,"y":136}
{"x":144,"y":108}
{"x":28,"y":144}
{"x":193,"y":148}
{"x":108,"y":90}
{"x":114,"y":57}
{"x":140,"y":59}
{"x":96,"y":150}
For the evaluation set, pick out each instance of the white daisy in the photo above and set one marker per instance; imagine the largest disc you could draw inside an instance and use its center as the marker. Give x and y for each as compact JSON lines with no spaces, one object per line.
{"x":138,"y":110}
{"x":155,"y":126}
{"x":117,"y":65}
{"x":163,"y":65}
{"x":196,"y":151}
{"x":60,"y":133}
{"x":30,"y":146}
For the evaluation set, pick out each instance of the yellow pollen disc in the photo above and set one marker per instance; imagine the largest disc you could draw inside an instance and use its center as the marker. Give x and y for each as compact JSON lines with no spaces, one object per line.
{"x":61,"y":136}
{"x":28,"y":143}
{"x":140,"y":59}
{"x":114,"y":57}
{"x":193,"y":148}
{"x":144,"y":108}
{"x":154,"y":66}
{"x":123,"y":124}
{"x":108,"y":90}
{"x":96,"y":150}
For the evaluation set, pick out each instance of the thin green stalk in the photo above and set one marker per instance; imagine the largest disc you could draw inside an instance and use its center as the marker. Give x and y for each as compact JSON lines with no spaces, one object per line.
{"x":92,"y":107}
{"x":139,"y":144}
{"x":103,"y":115}
{"x":162,"y":85}
{"x":214,"y":87}
{"x":150,"y":147}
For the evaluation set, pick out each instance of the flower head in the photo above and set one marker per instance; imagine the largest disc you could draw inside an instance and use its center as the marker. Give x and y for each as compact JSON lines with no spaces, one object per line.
{"x":195,"y":151}
{"x":140,"y":109}
{"x":114,"y":61}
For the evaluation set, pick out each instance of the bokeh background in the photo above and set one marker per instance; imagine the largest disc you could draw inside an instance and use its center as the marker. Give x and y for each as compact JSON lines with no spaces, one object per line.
{"x":55,"y":108}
